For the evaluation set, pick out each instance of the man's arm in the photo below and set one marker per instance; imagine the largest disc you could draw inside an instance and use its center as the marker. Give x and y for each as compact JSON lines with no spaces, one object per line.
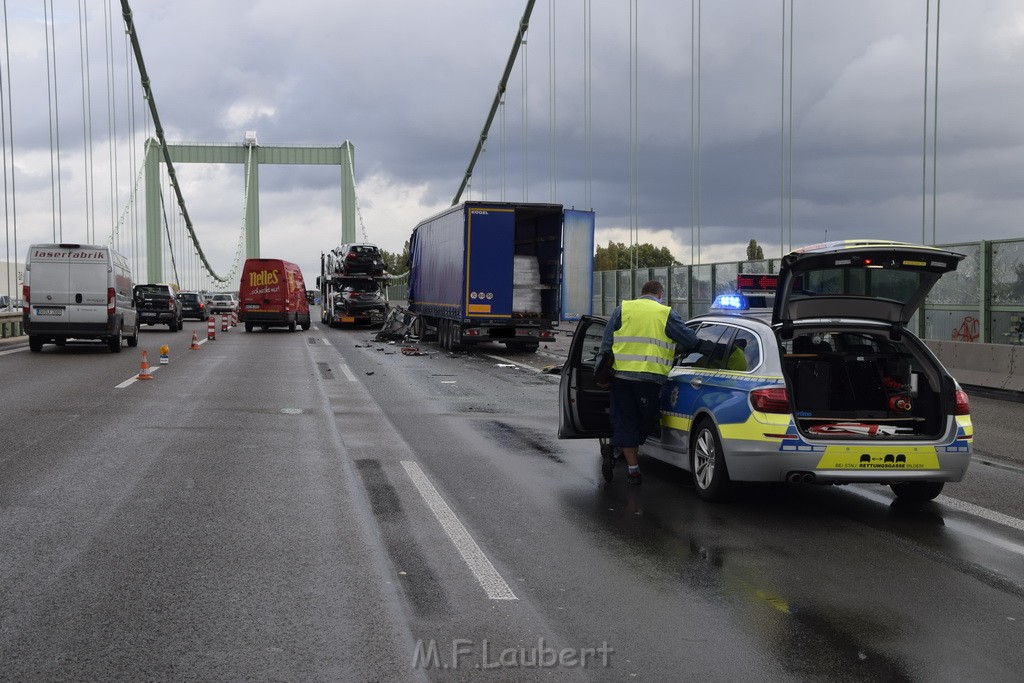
{"x":677,"y":330}
{"x":614,"y":322}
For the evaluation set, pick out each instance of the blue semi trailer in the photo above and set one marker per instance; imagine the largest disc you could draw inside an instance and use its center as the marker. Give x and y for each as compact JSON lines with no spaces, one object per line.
{"x":497,"y":271}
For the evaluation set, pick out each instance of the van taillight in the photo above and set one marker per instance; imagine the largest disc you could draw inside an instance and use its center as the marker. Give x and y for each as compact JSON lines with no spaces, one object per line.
{"x":771,"y":400}
{"x":963,"y":404}
{"x":25,"y":298}
{"x":111,"y":300}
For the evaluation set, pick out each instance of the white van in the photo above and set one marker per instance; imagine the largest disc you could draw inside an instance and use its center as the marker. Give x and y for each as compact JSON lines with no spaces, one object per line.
{"x":80,"y":291}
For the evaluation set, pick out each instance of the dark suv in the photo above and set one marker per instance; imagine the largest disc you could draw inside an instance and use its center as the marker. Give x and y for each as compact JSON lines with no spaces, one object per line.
{"x":157,"y":305}
{"x":361,"y":259}
{"x":193,"y":305}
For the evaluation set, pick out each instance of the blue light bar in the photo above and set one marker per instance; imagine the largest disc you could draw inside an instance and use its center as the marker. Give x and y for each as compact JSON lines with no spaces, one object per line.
{"x":735,"y":302}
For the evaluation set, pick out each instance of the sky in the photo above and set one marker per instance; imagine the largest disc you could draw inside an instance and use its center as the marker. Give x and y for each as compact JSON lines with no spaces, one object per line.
{"x":410,"y":83}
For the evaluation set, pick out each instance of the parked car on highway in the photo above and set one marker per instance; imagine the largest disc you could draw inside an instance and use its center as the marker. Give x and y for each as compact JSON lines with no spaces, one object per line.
{"x":362,"y":300}
{"x":830,"y":387}
{"x":78,"y":291}
{"x":222,"y":303}
{"x":158,"y":305}
{"x":193,"y":305}
{"x":358,"y":259}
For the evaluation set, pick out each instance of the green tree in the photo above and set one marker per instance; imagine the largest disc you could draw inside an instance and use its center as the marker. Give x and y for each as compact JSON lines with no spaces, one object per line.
{"x":396,"y":264}
{"x":619,"y":256}
{"x":754,"y":251}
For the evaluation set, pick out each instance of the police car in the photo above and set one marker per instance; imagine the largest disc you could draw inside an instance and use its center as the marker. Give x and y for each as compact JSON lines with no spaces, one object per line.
{"x":825,"y":386}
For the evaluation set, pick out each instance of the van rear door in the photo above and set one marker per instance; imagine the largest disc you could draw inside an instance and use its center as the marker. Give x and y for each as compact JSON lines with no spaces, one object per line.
{"x":89,"y":278}
{"x":49,"y":283}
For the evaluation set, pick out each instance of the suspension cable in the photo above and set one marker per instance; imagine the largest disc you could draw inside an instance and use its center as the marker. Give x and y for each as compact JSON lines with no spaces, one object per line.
{"x":525,"y":76}
{"x":552,"y":90}
{"x":126,"y":11}
{"x":587,"y":98}
{"x":83,"y":55}
{"x":112,"y":106}
{"x":9,"y":134}
{"x":8,"y":281}
{"x":524,"y":23}
{"x":51,"y":96}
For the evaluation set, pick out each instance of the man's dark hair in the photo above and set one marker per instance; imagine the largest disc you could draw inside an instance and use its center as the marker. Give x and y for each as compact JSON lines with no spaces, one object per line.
{"x":653,"y":287}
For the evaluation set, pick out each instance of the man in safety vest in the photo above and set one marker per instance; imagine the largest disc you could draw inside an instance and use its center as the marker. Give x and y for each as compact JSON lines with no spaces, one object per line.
{"x":642,"y":334}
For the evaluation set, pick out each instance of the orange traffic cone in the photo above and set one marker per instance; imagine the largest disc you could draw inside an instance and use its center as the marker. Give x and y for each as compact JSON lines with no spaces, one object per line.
{"x":144,"y":372}
{"x":195,"y":341}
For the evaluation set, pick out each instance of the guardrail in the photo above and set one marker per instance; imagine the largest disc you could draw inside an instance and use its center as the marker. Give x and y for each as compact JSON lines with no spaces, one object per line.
{"x":10,"y":325}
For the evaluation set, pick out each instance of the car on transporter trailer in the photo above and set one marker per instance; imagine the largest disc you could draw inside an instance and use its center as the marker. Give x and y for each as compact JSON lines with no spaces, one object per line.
{"x":827,"y":387}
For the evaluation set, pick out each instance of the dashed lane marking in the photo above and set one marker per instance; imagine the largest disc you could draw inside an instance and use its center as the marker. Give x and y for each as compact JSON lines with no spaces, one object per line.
{"x":348,"y":373}
{"x":133,"y":380}
{"x":488,"y":577}
{"x":508,"y":360}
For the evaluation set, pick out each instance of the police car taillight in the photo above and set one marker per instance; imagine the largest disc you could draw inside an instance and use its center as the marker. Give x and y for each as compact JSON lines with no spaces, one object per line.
{"x":963,"y":404}
{"x":770,"y":400}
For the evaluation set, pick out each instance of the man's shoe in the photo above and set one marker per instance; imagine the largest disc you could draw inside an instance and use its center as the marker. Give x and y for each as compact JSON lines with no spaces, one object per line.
{"x":608,"y":462}
{"x":634,"y":478}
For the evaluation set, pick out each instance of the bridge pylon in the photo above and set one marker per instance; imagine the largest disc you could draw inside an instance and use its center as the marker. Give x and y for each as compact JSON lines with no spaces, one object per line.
{"x":251,"y":156}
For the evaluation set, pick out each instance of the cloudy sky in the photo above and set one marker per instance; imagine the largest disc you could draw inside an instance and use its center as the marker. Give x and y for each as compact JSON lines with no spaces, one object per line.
{"x":410,"y":84}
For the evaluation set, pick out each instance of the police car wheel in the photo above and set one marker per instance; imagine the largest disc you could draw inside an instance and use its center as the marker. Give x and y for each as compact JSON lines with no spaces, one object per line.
{"x":917,"y":491}
{"x":707,"y":463}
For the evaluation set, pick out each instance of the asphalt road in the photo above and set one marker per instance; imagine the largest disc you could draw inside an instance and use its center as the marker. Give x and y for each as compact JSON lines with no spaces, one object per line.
{"x":319,"y":506}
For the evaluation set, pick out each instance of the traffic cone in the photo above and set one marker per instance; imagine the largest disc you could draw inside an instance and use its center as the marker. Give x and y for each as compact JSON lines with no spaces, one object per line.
{"x":195,"y":341}
{"x":144,"y":372}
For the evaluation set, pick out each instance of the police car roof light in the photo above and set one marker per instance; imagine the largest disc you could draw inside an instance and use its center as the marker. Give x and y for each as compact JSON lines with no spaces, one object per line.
{"x":735,"y":302}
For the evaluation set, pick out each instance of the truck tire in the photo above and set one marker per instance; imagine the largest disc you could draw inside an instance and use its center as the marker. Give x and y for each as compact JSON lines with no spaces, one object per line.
{"x":248,"y":327}
{"x":35,"y":343}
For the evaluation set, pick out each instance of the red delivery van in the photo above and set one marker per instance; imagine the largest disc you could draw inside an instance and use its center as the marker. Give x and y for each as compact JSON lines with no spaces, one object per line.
{"x":272,"y":294}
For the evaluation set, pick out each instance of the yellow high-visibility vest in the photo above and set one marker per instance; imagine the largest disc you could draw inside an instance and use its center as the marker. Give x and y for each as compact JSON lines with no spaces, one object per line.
{"x":640,"y":344}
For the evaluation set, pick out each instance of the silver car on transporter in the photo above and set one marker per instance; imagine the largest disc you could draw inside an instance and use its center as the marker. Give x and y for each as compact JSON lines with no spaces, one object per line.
{"x":829,"y":387}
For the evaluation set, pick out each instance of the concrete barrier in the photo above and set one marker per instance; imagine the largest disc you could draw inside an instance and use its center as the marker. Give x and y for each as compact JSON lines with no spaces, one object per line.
{"x":993,"y":366}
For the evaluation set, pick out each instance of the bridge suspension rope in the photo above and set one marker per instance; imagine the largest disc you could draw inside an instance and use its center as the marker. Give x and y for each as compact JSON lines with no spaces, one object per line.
{"x":129,"y":23}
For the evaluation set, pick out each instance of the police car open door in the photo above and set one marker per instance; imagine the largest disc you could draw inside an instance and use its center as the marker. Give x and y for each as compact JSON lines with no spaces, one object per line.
{"x":583,"y":406}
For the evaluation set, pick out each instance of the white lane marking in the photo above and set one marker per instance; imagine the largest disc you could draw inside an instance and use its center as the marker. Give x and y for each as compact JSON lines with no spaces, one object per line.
{"x":327,"y":343}
{"x":4,"y":353}
{"x":506,"y":360}
{"x":133,"y":380}
{"x":488,"y":577}
{"x":316,"y":328}
{"x":348,"y":373}
{"x":984,"y":513}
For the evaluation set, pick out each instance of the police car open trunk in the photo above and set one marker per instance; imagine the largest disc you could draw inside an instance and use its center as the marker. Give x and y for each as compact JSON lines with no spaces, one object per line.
{"x":857,"y":381}
{"x":851,"y":367}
